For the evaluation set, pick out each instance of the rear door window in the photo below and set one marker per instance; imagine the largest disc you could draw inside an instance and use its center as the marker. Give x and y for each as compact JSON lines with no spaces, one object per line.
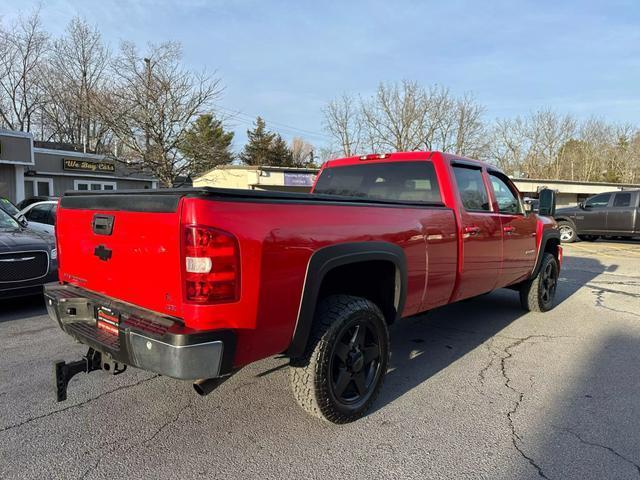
{"x":622,"y":200}
{"x":473,"y":192}
{"x":403,"y":182}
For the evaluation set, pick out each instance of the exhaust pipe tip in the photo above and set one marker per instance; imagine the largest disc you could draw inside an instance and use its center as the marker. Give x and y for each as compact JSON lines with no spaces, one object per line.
{"x":205,"y":386}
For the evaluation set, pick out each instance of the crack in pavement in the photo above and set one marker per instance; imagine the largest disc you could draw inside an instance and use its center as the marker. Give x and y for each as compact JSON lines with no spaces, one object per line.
{"x":612,"y":290}
{"x":75,"y":405}
{"x":143,"y":442}
{"x":515,"y":438}
{"x":600,"y":302}
{"x":599,"y":445}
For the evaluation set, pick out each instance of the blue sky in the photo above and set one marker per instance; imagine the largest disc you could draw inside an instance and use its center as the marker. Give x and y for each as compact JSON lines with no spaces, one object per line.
{"x":285,"y":60}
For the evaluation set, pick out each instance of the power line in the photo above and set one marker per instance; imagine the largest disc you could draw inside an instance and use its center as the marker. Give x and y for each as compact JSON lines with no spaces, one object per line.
{"x":249,"y":119}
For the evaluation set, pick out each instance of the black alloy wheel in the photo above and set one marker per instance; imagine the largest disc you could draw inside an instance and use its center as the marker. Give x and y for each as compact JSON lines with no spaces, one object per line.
{"x":548,"y":283}
{"x":355,"y":363}
{"x":342,"y":369}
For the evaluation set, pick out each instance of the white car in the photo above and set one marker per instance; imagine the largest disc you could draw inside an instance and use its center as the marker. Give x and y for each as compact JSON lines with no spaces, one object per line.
{"x":41,"y":216}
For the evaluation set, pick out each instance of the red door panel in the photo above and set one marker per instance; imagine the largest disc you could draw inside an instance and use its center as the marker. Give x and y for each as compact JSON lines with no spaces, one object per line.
{"x":518,"y":228}
{"x":480,"y":250}
{"x":519,"y":248}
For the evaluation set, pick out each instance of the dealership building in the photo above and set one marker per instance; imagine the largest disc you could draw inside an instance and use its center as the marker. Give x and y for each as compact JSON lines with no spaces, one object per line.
{"x":28,"y":168}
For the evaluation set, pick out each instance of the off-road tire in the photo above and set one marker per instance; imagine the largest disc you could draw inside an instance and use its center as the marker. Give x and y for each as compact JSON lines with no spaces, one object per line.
{"x":565,"y":226}
{"x":532,"y":292}
{"x":311,"y":375}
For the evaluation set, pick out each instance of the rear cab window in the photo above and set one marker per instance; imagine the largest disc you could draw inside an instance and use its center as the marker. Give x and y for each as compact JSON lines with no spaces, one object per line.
{"x":402,"y":182}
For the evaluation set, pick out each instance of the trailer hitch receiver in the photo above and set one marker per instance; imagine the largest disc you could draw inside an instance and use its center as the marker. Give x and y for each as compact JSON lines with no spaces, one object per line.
{"x":92,"y":361}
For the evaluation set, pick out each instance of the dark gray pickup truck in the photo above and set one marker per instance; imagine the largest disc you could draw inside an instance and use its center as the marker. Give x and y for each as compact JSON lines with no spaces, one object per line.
{"x":614,"y":214}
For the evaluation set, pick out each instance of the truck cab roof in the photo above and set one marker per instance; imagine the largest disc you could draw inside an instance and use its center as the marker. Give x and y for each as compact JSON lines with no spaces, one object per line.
{"x":403,"y":157}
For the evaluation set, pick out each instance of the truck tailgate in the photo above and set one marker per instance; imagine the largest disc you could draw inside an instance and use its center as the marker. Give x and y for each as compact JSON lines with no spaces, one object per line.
{"x":123,"y":246}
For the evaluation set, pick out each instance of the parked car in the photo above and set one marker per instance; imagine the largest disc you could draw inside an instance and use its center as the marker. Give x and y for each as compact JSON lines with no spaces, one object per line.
{"x":41,"y":216}
{"x":532,"y":203}
{"x":38,"y":198}
{"x":615,"y":214}
{"x":11,"y":209}
{"x":197,"y":283}
{"x":28,"y":259}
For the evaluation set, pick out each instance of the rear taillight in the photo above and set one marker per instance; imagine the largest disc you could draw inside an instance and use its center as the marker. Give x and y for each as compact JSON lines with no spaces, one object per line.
{"x":211,"y":265}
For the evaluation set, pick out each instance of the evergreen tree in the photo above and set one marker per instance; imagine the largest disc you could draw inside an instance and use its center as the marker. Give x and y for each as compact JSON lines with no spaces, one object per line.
{"x":206,"y":145}
{"x":257,"y":151}
{"x":266,"y":148}
{"x":281,"y":155}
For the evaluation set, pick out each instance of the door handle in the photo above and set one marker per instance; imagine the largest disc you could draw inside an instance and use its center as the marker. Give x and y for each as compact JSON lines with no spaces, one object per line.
{"x":470,"y":231}
{"x":509,"y":229}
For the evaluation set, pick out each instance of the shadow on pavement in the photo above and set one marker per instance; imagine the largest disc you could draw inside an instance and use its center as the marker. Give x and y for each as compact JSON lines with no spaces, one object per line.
{"x":592,"y":430}
{"x":424,"y":345}
{"x":22,"y":307}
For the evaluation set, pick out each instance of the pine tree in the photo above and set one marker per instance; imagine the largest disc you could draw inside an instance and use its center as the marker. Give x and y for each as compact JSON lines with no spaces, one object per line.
{"x":206,"y":145}
{"x":281,"y":155}
{"x":257,"y":151}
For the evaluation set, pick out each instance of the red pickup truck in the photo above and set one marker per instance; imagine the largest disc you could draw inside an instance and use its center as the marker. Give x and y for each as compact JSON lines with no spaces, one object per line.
{"x":195,"y":284}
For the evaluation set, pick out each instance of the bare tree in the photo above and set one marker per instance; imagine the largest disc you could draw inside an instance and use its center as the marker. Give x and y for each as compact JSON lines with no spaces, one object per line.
{"x":509,"y":146}
{"x":153,"y":102}
{"x":470,"y":135}
{"x":22,"y":53}
{"x":76,"y":73}
{"x":393,"y":117}
{"x":342,"y":121}
{"x":406,"y":116}
{"x":301,"y":152}
{"x":437,"y":120}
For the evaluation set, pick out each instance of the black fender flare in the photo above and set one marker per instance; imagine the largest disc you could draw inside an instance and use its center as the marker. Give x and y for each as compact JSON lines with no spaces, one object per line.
{"x":547,"y":235}
{"x":326,"y":259}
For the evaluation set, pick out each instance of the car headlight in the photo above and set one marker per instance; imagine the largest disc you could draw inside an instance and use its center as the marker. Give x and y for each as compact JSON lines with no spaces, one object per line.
{"x":54,"y":253}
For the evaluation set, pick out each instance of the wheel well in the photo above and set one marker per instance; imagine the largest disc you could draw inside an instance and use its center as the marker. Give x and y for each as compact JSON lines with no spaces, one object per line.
{"x":552,"y":247}
{"x":375,"y":280}
{"x":564,"y":219}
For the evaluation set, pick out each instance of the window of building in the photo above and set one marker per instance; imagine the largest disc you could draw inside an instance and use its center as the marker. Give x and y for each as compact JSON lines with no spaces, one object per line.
{"x":87,"y":185}
{"x":622,"y":200}
{"x":473,"y":192}
{"x":38,"y":187}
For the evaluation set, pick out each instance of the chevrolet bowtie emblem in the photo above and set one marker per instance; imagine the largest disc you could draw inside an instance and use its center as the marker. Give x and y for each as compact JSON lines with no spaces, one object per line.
{"x":102,"y":252}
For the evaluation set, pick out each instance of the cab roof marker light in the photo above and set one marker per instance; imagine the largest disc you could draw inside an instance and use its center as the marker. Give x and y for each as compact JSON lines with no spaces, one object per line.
{"x":374,"y":156}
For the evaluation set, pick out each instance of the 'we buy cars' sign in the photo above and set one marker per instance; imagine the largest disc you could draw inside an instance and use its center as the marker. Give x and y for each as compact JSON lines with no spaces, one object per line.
{"x":87,"y":166}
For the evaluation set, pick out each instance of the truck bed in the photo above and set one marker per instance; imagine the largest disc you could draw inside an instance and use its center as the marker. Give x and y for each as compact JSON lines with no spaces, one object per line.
{"x":278,"y":232}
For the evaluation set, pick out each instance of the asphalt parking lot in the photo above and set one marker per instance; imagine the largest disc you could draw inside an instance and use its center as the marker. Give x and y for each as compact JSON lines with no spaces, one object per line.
{"x":478,"y":389}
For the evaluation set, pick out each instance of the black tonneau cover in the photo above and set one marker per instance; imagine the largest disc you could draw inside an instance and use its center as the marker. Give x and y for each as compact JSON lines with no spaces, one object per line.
{"x":166,"y":200}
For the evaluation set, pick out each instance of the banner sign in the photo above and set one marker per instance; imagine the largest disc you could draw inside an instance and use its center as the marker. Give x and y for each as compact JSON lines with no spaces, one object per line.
{"x":86,"y":166}
{"x":298,"y":179}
